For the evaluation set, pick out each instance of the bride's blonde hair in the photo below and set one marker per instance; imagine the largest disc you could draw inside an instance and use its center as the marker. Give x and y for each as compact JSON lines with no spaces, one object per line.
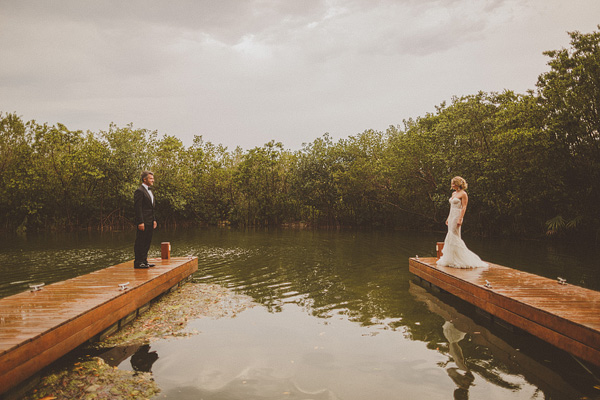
{"x":460,"y":182}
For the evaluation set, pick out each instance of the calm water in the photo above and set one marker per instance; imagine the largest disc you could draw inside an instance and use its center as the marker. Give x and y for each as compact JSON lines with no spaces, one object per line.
{"x":338,"y":316}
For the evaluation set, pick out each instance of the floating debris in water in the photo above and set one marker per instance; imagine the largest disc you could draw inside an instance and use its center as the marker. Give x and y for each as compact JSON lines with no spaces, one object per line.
{"x":94,"y":378}
{"x":169,"y":316}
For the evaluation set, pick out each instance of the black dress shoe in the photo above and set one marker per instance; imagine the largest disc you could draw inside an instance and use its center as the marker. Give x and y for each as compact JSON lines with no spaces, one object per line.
{"x":141,"y":266}
{"x":151,"y":265}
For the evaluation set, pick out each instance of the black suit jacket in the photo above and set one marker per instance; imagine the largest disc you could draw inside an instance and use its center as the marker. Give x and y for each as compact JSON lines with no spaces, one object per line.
{"x":143,"y":206}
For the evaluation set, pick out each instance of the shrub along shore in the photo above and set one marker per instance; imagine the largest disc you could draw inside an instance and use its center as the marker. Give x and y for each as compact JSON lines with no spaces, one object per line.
{"x":532,"y":162}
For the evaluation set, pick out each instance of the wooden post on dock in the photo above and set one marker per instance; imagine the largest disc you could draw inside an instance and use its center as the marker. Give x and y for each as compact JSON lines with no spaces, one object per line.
{"x":165,"y":250}
{"x":438,"y":247}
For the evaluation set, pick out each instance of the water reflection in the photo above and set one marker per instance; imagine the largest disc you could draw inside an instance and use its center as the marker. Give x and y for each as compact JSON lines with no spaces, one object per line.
{"x":143,"y":359}
{"x":461,"y":375}
{"x":492,"y":358}
{"x":252,"y":384}
{"x":52,"y":258}
{"x":139,"y":356}
{"x":358,"y":277}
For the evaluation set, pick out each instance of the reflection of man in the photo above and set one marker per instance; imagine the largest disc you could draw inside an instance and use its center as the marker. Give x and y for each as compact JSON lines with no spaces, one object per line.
{"x":143,"y":204}
{"x":143,"y":359}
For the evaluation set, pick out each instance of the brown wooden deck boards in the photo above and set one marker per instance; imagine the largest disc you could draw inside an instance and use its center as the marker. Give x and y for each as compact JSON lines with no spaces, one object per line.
{"x":37,"y":328}
{"x":565,"y":316}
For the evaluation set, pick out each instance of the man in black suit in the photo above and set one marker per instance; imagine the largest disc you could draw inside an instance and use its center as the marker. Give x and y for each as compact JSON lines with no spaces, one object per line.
{"x":143,"y":203}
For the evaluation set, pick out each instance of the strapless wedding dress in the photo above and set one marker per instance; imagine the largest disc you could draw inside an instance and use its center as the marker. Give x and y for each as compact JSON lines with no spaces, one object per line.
{"x":455,"y":252}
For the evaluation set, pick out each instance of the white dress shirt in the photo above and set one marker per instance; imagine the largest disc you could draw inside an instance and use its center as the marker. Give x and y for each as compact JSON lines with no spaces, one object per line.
{"x":149,"y":192}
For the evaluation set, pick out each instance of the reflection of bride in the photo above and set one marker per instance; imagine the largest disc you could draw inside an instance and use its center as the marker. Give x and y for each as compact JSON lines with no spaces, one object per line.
{"x":455,"y":253}
{"x":462,"y":380}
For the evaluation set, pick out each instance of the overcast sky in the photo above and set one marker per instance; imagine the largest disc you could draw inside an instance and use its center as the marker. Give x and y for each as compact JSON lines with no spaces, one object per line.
{"x":249,"y":71}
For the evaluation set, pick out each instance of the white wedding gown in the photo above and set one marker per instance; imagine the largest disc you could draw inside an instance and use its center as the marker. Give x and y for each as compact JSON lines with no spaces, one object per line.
{"x":455,"y":252}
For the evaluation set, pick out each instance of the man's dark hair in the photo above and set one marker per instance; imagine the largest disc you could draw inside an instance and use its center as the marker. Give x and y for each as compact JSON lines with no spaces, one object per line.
{"x":145,"y":174}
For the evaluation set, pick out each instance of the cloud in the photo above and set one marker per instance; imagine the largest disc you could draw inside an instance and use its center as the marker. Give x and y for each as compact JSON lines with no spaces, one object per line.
{"x":245,"y":72}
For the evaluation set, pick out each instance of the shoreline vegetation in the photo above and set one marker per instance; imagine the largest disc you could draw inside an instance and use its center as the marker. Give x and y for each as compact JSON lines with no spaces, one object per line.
{"x":532,"y":162}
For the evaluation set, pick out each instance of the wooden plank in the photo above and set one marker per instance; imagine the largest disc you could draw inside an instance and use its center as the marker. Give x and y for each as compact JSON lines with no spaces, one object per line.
{"x":565,"y":316}
{"x":544,"y":317}
{"x":558,"y":294}
{"x":40,"y":327}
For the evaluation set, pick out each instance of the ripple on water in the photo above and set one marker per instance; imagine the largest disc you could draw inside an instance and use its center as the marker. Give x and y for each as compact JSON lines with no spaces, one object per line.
{"x":332,"y":295}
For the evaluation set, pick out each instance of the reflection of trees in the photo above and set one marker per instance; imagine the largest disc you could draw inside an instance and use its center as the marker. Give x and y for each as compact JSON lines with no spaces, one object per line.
{"x":364,"y":277}
{"x":325,"y":273}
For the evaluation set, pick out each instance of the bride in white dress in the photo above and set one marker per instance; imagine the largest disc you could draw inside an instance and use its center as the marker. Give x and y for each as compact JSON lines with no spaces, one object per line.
{"x":455,"y":253}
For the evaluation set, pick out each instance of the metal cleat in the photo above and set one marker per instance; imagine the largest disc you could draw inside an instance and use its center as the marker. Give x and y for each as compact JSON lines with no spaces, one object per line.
{"x":562,"y":281}
{"x":123,"y":286}
{"x":417,"y":256}
{"x":487,"y":284}
{"x":35,"y":288}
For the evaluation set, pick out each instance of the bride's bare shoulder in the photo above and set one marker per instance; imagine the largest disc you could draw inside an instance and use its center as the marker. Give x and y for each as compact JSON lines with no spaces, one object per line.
{"x":461,"y":194}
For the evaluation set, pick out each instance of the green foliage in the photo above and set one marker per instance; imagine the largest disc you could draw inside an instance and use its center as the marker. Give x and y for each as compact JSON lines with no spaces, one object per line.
{"x":262,"y":182}
{"x":532,"y":162}
{"x":569,"y":94}
{"x":313,"y":182}
{"x":171,"y":163}
{"x":16,"y":171}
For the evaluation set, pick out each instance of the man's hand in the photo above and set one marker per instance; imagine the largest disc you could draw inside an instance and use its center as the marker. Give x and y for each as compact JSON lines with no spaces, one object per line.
{"x":141,"y":226}
{"x":154,"y":224}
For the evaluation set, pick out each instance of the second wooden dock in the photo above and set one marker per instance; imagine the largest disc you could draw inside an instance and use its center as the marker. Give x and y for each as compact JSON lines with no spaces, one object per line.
{"x":39,"y":327}
{"x":563,"y":315}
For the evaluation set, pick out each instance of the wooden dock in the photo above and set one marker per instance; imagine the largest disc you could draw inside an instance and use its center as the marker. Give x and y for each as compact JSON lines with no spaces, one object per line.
{"x":39,"y":327}
{"x":536,"y":372}
{"x":565,"y":316}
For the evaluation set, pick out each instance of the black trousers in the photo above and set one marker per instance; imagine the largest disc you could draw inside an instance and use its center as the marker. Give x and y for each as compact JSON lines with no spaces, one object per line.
{"x":142,"y":244}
